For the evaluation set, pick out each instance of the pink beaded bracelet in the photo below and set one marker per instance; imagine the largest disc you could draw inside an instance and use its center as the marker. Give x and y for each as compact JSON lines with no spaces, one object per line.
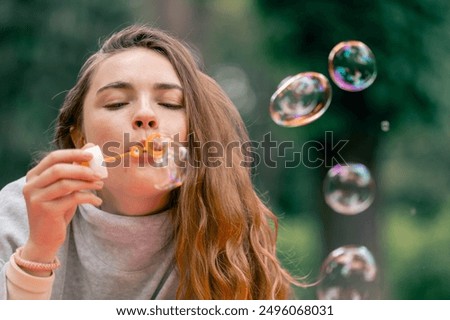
{"x":35,"y":266}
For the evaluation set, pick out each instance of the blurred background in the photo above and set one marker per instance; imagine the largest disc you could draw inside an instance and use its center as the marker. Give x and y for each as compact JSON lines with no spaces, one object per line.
{"x":249,"y":46}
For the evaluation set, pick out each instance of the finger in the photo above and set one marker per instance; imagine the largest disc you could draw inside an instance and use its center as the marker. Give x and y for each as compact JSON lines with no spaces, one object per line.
{"x":62,"y":171}
{"x":64,"y":208}
{"x":64,"y":187}
{"x":60,"y":156}
{"x":72,"y":200}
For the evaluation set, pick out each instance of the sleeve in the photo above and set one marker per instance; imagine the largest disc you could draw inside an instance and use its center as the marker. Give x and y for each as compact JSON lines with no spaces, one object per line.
{"x":23,"y":286}
{"x":13,"y":228}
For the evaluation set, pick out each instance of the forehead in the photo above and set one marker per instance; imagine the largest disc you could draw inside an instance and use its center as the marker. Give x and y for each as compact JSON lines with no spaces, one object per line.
{"x":137,"y":65}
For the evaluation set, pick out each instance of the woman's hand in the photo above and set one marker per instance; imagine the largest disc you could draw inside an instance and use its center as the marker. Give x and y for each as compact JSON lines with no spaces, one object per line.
{"x":52,"y":192}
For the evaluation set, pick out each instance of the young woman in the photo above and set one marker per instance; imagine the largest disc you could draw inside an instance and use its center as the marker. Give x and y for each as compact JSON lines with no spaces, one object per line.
{"x":211,"y":238}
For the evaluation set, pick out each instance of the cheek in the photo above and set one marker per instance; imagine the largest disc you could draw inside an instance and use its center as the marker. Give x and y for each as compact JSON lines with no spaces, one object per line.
{"x":173,"y":124}
{"x":181,"y":127}
{"x":100,"y":129}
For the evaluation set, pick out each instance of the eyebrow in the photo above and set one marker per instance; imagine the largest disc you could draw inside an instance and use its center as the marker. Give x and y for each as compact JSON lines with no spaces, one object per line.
{"x":115,"y":85}
{"x":128,"y":86}
{"x":167,"y":86}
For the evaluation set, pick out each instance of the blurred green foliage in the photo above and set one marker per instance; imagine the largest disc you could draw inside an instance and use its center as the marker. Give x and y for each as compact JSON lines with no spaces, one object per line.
{"x":249,"y":46}
{"x":42,"y":47}
{"x":416,"y":254}
{"x":411,"y":42}
{"x":300,"y":251}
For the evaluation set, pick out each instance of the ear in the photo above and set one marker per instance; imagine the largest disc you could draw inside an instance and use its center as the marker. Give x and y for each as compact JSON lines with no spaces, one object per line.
{"x":77,"y":137}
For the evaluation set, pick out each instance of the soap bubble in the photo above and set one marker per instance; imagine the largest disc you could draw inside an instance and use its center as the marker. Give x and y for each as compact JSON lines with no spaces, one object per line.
{"x":352,"y":66}
{"x":300,"y":99}
{"x":348,"y":273}
{"x":349,"y":189}
{"x":172,"y":164}
{"x":167,"y":159}
{"x":282,"y":82}
{"x":385,"y":126}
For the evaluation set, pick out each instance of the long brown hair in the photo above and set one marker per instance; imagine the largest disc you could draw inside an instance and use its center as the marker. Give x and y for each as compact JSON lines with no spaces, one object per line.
{"x":225,"y":236}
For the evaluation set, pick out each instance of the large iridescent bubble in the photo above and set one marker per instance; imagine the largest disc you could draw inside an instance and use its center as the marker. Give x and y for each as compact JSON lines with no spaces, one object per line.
{"x":349,"y":189}
{"x":348,"y":273}
{"x":300,"y":99}
{"x":352,"y":66}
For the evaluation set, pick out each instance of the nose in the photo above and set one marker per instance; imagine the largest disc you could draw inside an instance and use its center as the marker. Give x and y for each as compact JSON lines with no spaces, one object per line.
{"x":145,"y":118}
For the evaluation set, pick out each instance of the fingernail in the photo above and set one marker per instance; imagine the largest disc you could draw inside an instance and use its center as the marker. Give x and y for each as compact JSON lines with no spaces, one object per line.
{"x":98,"y":202}
{"x":97,"y":175}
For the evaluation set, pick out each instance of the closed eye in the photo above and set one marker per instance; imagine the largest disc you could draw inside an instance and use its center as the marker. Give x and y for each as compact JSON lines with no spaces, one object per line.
{"x":171,"y":106}
{"x":115,"y":106}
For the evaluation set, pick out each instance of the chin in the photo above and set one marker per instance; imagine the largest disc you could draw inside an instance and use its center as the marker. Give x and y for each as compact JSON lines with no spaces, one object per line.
{"x":135,"y":185}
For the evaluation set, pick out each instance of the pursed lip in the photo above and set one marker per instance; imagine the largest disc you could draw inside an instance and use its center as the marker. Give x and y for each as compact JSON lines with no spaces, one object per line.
{"x":136,"y":152}
{"x":114,"y":158}
{"x":145,"y":157}
{"x":127,"y":146}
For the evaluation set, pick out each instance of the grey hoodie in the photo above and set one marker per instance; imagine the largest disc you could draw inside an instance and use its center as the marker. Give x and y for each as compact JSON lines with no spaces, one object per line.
{"x":105,"y":256}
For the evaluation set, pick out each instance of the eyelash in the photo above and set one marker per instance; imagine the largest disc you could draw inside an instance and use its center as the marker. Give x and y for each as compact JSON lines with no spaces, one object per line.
{"x":115,"y":106}
{"x":171,"y":106}
{"x":118,"y":105}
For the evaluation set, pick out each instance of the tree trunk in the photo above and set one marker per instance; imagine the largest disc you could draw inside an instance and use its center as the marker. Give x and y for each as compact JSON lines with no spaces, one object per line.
{"x":359,"y":229}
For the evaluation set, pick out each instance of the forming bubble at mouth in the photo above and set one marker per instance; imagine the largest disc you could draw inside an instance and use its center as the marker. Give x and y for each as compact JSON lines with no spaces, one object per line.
{"x":352,"y":66}
{"x":169,"y":159}
{"x":174,"y":165}
{"x":300,"y":99}
{"x":158,"y":147}
{"x":349,"y":189}
{"x":347,"y":273}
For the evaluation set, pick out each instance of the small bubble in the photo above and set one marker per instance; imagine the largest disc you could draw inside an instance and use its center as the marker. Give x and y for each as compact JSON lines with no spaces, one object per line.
{"x":349,"y":189}
{"x":300,"y":99}
{"x":348,"y":273}
{"x":413,"y":211}
{"x":352,"y":66}
{"x":385,"y":126}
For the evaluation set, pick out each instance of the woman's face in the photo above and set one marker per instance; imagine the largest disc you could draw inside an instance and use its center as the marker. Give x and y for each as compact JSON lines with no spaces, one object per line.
{"x":133,"y":94}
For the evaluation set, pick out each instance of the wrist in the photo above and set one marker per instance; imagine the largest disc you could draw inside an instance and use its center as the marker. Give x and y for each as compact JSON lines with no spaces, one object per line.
{"x":38,"y":253}
{"x":35,"y":268}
